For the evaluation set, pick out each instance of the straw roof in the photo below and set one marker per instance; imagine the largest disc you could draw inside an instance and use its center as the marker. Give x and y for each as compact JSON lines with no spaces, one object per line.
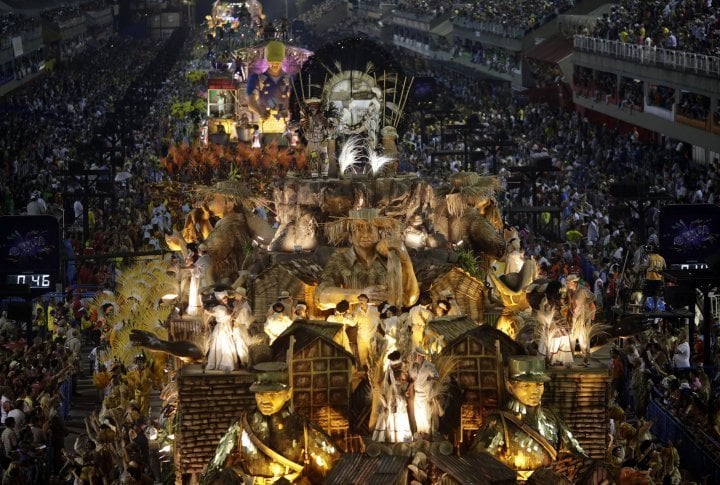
{"x":231,"y":190}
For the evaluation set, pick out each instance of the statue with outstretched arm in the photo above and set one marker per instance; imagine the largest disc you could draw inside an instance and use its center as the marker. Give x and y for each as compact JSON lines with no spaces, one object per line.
{"x":378,"y":267}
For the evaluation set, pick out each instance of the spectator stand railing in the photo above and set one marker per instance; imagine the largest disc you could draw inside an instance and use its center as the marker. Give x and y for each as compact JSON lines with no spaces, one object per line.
{"x":666,"y":58}
{"x":501,"y":30}
{"x":694,"y":455}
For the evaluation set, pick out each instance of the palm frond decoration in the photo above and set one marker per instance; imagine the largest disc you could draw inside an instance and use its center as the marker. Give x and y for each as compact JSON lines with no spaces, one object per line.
{"x":136,"y":301}
{"x":445,"y":364}
{"x":350,"y":153}
{"x":546,"y":330}
{"x":377,"y":162}
{"x":584,"y":331}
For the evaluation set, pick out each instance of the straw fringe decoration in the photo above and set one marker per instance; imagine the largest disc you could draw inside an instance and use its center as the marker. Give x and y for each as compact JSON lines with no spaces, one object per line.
{"x":231,"y":191}
{"x":468,"y":188}
{"x":338,"y":232}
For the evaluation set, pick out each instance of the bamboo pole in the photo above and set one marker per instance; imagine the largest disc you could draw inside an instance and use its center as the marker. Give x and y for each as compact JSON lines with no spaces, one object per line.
{"x":403,"y":103}
{"x":384,"y":98}
{"x":302,"y":87}
{"x":396,"y":116}
{"x":395,"y":89}
{"x":289,"y":360}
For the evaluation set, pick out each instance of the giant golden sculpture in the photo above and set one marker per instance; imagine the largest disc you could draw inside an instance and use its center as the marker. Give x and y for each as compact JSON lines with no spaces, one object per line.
{"x":272,"y":443}
{"x":523,"y":434}
{"x":379,"y":267}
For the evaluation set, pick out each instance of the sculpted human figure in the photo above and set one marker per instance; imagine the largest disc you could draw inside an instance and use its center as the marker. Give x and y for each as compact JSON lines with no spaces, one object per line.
{"x":523,"y":434}
{"x":377,"y":267}
{"x":272,"y":443}
{"x":316,"y":129}
{"x":269,"y":92}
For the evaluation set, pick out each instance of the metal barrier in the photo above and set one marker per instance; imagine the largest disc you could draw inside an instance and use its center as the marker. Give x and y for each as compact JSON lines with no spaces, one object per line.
{"x":667,"y":58}
{"x":694,"y":455}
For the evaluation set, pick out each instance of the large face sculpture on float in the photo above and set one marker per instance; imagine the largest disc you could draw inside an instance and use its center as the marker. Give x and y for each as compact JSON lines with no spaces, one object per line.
{"x":358,"y":100}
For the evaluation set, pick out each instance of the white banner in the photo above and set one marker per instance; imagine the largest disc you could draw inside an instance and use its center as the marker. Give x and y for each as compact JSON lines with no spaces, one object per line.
{"x":17,"y":46}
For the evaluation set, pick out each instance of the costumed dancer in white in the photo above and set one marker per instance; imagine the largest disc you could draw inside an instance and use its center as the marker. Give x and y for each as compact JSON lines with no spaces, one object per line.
{"x":393,"y":420}
{"x":366,"y":318}
{"x":278,"y":322}
{"x":343,"y":317}
{"x":418,"y":317}
{"x":422,"y":375}
{"x":222,"y":350}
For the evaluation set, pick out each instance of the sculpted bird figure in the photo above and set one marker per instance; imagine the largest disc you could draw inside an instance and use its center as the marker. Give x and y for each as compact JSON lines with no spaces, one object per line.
{"x":186,"y":351}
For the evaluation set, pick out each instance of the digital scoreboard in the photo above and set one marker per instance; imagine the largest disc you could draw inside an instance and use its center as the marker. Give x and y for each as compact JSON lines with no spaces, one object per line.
{"x":33,"y":280}
{"x":30,"y":252}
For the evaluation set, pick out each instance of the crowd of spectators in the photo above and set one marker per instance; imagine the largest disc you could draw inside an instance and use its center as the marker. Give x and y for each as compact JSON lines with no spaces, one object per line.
{"x":661,"y":364}
{"x":526,"y":15}
{"x":494,"y":58}
{"x":44,"y":124}
{"x":91,"y":113}
{"x":631,"y":93}
{"x":317,"y":11}
{"x":107,"y":119}
{"x":684,"y":25}
{"x":432,"y":8}
{"x":62,"y":14}
{"x":695,"y":106}
{"x":37,"y":381}
{"x":661,"y":96}
{"x":13,"y":24}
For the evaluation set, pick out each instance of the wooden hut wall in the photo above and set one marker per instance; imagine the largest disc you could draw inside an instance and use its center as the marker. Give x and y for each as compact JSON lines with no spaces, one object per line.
{"x":477,"y":374}
{"x":580,"y":397}
{"x":321,"y":377}
{"x":208,"y":403}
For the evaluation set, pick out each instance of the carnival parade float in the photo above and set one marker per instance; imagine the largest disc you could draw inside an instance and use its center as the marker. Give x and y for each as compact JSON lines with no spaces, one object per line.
{"x":321,"y":328}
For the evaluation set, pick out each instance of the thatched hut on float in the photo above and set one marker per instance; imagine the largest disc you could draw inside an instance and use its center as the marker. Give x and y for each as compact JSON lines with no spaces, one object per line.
{"x":320,"y":373}
{"x":480,"y":351}
{"x":298,"y":277}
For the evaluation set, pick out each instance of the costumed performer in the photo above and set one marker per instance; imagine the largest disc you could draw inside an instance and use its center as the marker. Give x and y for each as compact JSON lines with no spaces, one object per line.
{"x":423,"y":374}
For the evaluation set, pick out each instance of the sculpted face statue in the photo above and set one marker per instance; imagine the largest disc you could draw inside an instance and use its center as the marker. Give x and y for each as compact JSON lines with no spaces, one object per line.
{"x":527,"y":392}
{"x":274,"y":68}
{"x":364,"y":235}
{"x":271,"y":402}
